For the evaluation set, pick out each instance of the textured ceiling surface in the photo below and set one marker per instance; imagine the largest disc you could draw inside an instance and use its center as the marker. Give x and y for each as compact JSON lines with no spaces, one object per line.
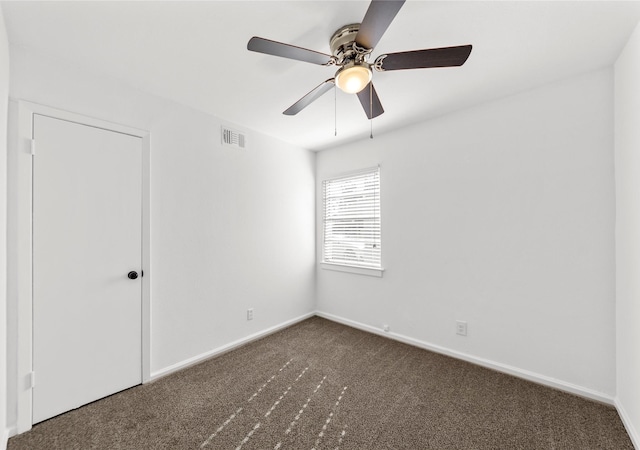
{"x":195,"y":53}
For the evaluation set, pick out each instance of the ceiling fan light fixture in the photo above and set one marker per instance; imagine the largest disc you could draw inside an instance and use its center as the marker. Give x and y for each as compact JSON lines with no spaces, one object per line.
{"x":353,"y":78}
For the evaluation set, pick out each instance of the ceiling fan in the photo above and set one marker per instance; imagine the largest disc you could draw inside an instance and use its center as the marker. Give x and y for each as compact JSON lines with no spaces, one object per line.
{"x":351,"y":46}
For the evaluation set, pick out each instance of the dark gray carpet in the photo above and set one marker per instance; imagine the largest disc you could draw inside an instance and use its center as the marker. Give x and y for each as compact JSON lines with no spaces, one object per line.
{"x":322,"y":385}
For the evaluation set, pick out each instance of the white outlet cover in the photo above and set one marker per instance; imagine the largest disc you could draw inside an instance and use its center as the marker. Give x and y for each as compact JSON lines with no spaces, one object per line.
{"x":461,"y":327}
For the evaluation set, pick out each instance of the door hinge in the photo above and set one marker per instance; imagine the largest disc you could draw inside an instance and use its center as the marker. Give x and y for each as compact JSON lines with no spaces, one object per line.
{"x":32,"y":380}
{"x":33,"y":146}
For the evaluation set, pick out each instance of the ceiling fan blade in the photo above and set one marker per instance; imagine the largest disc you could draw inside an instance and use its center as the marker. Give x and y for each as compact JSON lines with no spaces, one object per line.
{"x":370,"y":101}
{"x":424,"y":59}
{"x":312,"y":96}
{"x":261,"y":45}
{"x":376,"y":21}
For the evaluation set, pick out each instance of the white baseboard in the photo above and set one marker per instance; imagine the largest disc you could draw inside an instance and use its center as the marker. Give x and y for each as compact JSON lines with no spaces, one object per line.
{"x":6,"y":434}
{"x":504,"y":368}
{"x":226,"y":348}
{"x":634,"y":434}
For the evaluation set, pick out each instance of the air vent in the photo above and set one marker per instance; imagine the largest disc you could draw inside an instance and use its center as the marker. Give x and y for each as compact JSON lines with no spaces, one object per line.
{"x":232,"y":138}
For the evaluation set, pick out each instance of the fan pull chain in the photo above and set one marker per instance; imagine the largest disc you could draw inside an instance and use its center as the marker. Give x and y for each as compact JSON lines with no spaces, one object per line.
{"x":335,"y":110}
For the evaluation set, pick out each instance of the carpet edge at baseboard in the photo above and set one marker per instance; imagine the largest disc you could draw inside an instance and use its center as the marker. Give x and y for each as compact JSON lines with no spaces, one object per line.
{"x":504,"y":368}
{"x":226,"y":348}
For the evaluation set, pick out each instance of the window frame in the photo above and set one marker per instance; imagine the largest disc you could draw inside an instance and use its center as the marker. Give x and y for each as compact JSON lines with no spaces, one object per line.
{"x":346,"y":267}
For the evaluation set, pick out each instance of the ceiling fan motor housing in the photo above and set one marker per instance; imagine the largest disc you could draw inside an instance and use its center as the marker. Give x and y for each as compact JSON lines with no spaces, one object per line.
{"x":343,"y":46}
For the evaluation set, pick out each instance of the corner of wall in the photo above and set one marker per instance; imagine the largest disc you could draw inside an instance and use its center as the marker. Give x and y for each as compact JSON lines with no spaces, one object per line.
{"x":4,"y":98}
{"x":628,"y":424}
{"x":627,"y":237}
{"x":316,"y":231}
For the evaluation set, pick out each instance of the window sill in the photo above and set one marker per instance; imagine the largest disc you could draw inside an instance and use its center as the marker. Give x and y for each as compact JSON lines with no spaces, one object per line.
{"x":352,"y":269}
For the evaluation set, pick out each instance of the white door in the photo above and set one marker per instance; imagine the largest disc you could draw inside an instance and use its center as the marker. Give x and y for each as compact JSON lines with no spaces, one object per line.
{"x":87,"y":322}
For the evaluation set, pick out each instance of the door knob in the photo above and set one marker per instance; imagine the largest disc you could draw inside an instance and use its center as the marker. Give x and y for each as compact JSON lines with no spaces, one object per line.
{"x":132,"y":275}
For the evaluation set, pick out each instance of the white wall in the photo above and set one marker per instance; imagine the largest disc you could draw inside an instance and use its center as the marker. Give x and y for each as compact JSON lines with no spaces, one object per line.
{"x":627,"y":164}
{"x":229,"y":229}
{"x":4,"y":97}
{"x":502,"y":216}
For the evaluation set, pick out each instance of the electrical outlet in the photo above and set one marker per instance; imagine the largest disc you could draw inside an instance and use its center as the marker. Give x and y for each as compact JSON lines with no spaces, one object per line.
{"x":250,"y":314}
{"x":461,"y":327}
{"x":385,"y":327}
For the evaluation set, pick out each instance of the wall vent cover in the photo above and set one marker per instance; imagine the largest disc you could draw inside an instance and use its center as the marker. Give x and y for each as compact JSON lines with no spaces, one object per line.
{"x":232,"y":138}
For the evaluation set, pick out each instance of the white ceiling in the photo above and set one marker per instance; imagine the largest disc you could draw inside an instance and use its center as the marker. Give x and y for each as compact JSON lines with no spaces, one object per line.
{"x":195,"y":53}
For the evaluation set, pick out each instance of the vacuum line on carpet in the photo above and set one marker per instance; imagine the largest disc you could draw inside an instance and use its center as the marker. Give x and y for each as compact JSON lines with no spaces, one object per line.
{"x":275,"y":405}
{"x":248,"y":436}
{"x":239,"y":410}
{"x":221,"y":427}
{"x":255,"y":394}
{"x":326,"y":423}
{"x":297,"y":417}
{"x":344,"y":431}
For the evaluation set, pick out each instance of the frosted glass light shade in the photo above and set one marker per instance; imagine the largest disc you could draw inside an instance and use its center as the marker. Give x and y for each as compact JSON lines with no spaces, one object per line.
{"x":353,"y":79}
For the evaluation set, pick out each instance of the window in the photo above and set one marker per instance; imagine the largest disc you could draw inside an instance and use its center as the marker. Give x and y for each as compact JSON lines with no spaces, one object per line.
{"x":352,"y":222}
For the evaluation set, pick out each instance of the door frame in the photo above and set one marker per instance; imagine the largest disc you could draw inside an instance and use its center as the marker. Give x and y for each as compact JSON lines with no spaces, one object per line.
{"x":26,"y":112}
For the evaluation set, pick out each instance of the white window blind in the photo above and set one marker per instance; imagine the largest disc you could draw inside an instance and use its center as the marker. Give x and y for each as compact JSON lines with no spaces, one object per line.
{"x":352,"y":220}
